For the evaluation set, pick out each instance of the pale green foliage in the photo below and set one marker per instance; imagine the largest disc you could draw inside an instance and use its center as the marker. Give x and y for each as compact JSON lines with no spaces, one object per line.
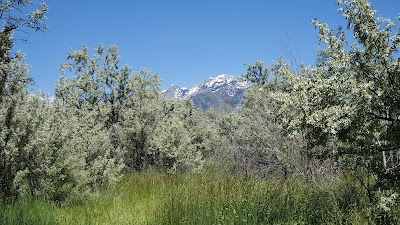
{"x":363,"y":107}
{"x":262,"y":133}
{"x":15,"y":128}
{"x":141,"y":116}
{"x":80,"y":156}
{"x":18,"y":121}
{"x":49,"y":148}
{"x":182,"y":139}
{"x":55,"y":154}
{"x":97,"y":83}
{"x":152,"y":132}
{"x":274,"y":125}
{"x":19,"y":14}
{"x":347,"y":106}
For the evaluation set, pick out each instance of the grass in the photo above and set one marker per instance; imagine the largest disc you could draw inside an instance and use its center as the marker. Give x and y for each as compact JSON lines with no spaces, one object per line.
{"x":158,"y":198}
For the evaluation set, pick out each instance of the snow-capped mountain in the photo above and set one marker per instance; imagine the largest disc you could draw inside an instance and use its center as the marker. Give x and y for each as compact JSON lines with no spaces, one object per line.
{"x":223,"y":93}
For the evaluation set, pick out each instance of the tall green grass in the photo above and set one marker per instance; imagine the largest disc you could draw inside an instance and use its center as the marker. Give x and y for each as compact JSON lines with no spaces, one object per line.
{"x":215,"y":199}
{"x":158,"y":198}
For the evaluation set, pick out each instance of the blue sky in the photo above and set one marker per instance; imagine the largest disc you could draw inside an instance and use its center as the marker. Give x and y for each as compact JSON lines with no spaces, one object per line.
{"x":184,"y":41}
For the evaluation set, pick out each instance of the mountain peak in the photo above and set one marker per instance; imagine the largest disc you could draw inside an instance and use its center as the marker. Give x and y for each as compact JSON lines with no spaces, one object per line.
{"x":224,"y":92}
{"x":223,"y":77}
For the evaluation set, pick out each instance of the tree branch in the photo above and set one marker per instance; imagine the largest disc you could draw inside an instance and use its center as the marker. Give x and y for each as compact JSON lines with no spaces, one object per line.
{"x":387,"y":118}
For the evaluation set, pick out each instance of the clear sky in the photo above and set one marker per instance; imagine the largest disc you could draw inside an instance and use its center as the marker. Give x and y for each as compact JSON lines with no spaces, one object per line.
{"x":185,"y":41}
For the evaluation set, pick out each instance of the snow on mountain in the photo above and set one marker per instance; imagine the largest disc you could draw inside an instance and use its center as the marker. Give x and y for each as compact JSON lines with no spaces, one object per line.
{"x":174,"y":92}
{"x":224,"y":92}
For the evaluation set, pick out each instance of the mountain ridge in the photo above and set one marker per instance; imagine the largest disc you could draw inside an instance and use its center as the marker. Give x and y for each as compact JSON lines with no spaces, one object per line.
{"x":222,"y":93}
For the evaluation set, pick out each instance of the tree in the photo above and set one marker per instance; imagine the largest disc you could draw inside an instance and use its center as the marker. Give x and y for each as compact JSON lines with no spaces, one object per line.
{"x":142,"y":114}
{"x":130,"y":108}
{"x":349,"y":102}
{"x":363,"y":118}
{"x":281,"y":125}
{"x":14,"y":78}
{"x":98,"y":84}
{"x":77,"y":156}
{"x":22,"y":14}
{"x":357,"y":86}
{"x":182,"y":140}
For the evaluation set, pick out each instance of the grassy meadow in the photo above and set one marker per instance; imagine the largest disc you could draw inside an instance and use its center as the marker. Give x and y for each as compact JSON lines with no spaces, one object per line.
{"x":159,"y":198}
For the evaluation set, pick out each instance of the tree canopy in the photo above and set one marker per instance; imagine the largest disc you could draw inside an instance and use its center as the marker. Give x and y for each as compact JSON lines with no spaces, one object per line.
{"x":347,"y":105}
